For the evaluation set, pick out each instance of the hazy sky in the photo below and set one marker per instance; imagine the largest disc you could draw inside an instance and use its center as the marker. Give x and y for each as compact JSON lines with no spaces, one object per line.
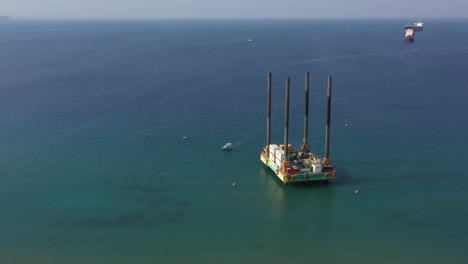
{"x":234,"y":8}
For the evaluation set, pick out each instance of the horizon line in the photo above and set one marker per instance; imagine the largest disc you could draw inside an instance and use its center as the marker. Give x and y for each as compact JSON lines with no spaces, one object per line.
{"x":11,"y":18}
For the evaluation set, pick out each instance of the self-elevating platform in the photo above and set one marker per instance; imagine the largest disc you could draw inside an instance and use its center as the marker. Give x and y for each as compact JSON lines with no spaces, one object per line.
{"x":298,"y":165}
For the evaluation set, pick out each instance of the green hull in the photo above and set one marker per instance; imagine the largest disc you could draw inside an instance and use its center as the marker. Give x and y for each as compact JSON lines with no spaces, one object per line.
{"x":302,"y":176}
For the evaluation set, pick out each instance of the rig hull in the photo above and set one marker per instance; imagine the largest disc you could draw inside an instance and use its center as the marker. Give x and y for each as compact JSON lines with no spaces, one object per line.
{"x":304,"y":174}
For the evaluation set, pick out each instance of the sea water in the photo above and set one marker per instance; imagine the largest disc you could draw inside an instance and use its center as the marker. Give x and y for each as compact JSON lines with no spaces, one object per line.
{"x":94,"y":167}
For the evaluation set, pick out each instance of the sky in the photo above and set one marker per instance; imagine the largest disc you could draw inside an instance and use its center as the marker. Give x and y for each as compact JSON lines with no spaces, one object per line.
{"x":161,"y":9}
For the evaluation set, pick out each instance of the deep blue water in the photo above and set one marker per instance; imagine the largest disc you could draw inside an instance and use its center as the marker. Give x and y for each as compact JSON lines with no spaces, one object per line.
{"x":93,"y":168}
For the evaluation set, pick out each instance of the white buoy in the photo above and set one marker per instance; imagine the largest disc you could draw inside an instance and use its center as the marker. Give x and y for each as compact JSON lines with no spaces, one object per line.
{"x":356,"y":191}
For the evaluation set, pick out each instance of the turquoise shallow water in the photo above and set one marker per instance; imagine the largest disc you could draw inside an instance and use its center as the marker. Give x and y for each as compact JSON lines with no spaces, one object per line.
{"x":93,"y":168}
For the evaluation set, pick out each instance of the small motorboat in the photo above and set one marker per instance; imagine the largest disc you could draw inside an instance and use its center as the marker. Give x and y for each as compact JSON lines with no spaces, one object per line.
{"x":227,"y":146}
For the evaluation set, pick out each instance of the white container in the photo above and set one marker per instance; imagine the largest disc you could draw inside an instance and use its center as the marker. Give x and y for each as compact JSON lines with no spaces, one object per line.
{"x":279,"y":151}
{"x":272,"y":150}
{"x":273,"y":147}
{"x":271,"y":156}
{"x":281,"y":158}
{"x":279,"y":154}
{"x":317,"y":168}
{"x":278,"y":162}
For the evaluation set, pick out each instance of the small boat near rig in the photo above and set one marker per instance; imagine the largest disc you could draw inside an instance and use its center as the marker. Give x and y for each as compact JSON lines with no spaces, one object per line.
{"x":227,"y":146}
{"x":298,"y":165}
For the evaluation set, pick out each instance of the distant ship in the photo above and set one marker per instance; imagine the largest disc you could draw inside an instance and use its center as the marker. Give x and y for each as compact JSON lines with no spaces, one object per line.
{"x":416,"y":26}
{"x":250,"y":40}
{"x":409,"y":34}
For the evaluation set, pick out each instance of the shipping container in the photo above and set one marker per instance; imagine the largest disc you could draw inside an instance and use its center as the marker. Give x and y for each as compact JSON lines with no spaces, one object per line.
{"x":271,"y":156}
{"x":273,"y":147}
{"x":317,"y":168}
{"x":279,"y":153}
{"x":278,"y":162}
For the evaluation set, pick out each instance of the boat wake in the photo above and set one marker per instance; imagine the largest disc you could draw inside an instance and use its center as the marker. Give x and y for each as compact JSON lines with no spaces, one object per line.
{"x":370,"y":54}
